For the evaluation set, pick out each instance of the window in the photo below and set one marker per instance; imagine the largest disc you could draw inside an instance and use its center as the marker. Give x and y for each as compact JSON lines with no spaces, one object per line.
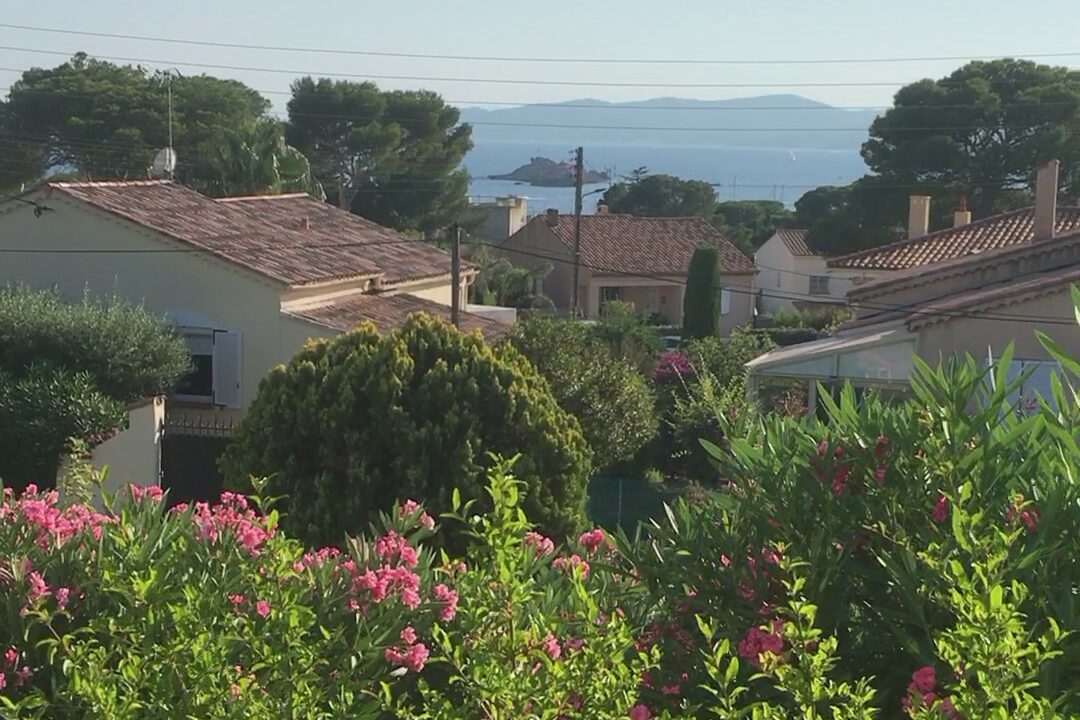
{"x":725,"y":301}
{"x":215,"y":375}
{"x":538,"y":286}
{"x":610,"y":294}
{"x":819,"y":284}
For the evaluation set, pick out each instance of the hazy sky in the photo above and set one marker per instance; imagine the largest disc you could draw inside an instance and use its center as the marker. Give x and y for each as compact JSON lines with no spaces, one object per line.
{"x":643,"y":29}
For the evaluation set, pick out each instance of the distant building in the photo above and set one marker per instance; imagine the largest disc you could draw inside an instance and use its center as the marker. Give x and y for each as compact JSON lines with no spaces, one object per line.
{"x":792,"y":275}
{"x":503,"y":217}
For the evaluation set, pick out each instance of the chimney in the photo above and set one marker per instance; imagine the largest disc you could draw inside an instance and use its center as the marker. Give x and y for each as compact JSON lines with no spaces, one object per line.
{"x":601,"y":209}
{"x":1046,"y":188}
{"x":918,"y":216}
{"x":961,"y":216}
{"x":552,"y":217}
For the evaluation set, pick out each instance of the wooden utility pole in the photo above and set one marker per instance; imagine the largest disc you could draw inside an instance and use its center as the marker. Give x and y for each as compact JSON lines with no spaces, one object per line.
{"x":455,"y":274}
{"x":579,"y":178}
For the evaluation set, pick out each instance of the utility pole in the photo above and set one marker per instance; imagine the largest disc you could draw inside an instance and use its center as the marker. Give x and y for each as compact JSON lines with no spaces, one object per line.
{"x":579,"y":177}
{"x":455,"y":274}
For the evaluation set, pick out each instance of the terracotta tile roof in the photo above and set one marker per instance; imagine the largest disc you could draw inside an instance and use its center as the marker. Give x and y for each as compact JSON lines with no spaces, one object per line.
{"x":399,"y":261}
{"x":1011,"y":228}
{"x":795,"y":240}
{"x":995,"y":296}
{"x":615,"y":244}
{"x":253,"y":234}
{"x":390,"y":311}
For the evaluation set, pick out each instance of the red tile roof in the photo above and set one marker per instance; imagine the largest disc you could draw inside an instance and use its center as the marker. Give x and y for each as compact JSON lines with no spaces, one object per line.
{"x":390,"y":311}
{"x":266,"y":236}
{"x":1011,"y":228}
{"x":795,"y":240}
{"x":615,"y":244}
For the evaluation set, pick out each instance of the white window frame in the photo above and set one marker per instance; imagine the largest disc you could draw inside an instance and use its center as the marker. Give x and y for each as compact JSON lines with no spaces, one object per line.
{"x":822,"y":285}
{"x":725,"y":301}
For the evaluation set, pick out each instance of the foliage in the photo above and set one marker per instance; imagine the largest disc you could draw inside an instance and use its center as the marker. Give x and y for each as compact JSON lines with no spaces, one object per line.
{"x":701,"y":304}
{"x":977,"y":134}
{"x":661,"y":196}
{"x":749,"y":223}
{"x":629,"y":333}
{"x":68,"y":370}
{"x":928,"y":529}
{"x":205,"y":612}
{"x":825,"y":318}
{"x":607,"y":395}
{"x":128,"y":352}
{"x":498,"y":282}
{"x":41,"y":411}
{"x":108,"y":120}
{"x":253,"y":159}
{"x":530,"y":639}
{"x":391,"y":156}
{"x":352,"y":424}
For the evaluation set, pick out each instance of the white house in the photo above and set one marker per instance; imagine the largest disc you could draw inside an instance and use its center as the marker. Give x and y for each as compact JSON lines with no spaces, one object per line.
{"x":792,"y":275}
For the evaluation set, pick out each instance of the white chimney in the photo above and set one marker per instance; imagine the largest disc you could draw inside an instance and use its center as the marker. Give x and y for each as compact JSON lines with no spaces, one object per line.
{"x":1046,"y":189}
{"x":602,"y":209}
{"x":961,"y":216}
{"x":918,"y":216}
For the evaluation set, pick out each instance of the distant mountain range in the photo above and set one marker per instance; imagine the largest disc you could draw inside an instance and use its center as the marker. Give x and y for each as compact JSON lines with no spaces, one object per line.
{"x":787,"y":122}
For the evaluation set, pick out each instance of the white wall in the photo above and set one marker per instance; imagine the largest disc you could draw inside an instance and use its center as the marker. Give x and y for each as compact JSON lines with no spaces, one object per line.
{"x":133,"y":457}
{"x":774,"y":279}
{"x":174,"y":282}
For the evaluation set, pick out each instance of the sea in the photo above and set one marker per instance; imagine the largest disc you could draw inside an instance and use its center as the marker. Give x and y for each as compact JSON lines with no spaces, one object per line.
{"x":739,"y":173}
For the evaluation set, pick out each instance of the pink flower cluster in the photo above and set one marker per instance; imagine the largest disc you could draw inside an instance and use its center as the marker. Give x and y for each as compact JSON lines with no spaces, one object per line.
{"x":1027,"y":515}
{"x":672,"y":365}
{"x":922,"y":692}
{"x":232,"y":516}
{"x":540,"y":544}
{"x":10,"y":670}
{"x":571,"y":564}
{"x":593,"y":540}
{"x":640,"y":712}
{"x":940,"y":513}
{"x":758,"y":641}
{"x":445,"y":595}
{"x":408,"y":654}
{"x":53,"y":526}
{"x":411,"y":508}
{"x":318,"y":558}
{"x":153,"y":493}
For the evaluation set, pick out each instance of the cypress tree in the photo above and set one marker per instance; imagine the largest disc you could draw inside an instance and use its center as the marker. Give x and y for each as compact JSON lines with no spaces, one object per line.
{"x":701,"y":302}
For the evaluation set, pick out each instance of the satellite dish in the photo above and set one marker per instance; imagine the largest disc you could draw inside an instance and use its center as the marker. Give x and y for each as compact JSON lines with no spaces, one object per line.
{"x":164,"y":163}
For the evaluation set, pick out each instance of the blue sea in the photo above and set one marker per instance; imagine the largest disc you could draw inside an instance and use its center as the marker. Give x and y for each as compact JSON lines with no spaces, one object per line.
{"x":740,"y":173}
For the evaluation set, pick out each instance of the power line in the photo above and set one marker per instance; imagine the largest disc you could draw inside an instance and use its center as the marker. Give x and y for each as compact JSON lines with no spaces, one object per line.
{"x":493,"y":81}
{"x":491,"y":58}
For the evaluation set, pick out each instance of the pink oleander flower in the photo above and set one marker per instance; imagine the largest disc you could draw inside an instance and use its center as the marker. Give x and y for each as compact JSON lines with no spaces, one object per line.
{"x":879,"y":475}
{"x":540,"y":544}
{"x":575,"y":644}
{"x":445,"y":595}
{"x":3,"y":681}
{"x":262,"y":608}
{"x":940,"y":513}
{"x":413,"y":657}
{"x":11,"y":656}
{"x":671,"y":689}
{"x":1027,"y":515}
{"x":62,"y":596}
{"x":592,"y":540}
{"x":640,"y":712}
{"x":725,"y":560}
{"x":38,"y":588}
{"x":551,"y":647}
{"x":408,"y":635}
{"x":23,"y":676}
{"x":924,"y":679}
{"x":410,"y":508}
{"x":392,"y":547}
{"x":571,"y":564}
{"x":671,"y":366}
{"x":236,"y":599}
{"x":757,"y":642}
{"x":880,"y":447}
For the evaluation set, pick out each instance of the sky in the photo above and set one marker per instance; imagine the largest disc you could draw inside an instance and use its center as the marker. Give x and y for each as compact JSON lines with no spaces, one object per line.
{"x":648,"y":30}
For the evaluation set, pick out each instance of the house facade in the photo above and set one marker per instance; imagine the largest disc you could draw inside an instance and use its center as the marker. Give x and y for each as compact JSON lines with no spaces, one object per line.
{"x":246,"y":281}
{"x":792,"y":276}
{"x":981,"y":288}
{"x":640,"y":260}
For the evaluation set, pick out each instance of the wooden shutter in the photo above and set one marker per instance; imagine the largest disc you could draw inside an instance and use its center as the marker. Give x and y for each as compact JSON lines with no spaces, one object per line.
{"x":227,"y":359}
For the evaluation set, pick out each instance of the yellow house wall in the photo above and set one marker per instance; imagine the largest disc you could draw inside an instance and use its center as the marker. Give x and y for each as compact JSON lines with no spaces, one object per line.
{"x":133,"y":456}
{"x":536,"y":238}
{"x":189,"y":282}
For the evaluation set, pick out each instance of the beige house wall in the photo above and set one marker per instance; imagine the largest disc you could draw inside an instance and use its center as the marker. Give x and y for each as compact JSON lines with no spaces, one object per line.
{"x":977,"y":337}
{"x":537,"y":239}
{"x":775,"y":277}
{"x":133,"y":457}
{"x":186,"y":285}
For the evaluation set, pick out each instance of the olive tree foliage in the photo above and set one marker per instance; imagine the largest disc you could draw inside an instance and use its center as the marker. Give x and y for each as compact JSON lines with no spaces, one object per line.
{"x":352,"y":425}
{"x":606,"y":393}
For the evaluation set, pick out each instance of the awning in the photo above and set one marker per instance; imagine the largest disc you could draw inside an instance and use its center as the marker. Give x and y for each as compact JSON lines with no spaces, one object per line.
{"x":883,"y":355}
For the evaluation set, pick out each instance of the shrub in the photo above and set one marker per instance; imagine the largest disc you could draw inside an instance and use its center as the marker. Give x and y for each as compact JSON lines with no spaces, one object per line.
{"x":613,"y":403}
{"x":628,"y":333}
{"x":67,"y":370}
{"x":204,"y":612}
{"x":701,"y":304}
{"x":353,"y":424}
{"x":126,"y":351}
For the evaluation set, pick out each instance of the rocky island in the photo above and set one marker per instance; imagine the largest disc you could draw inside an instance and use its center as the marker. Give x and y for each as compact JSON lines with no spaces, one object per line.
{"x":543,"y":172}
